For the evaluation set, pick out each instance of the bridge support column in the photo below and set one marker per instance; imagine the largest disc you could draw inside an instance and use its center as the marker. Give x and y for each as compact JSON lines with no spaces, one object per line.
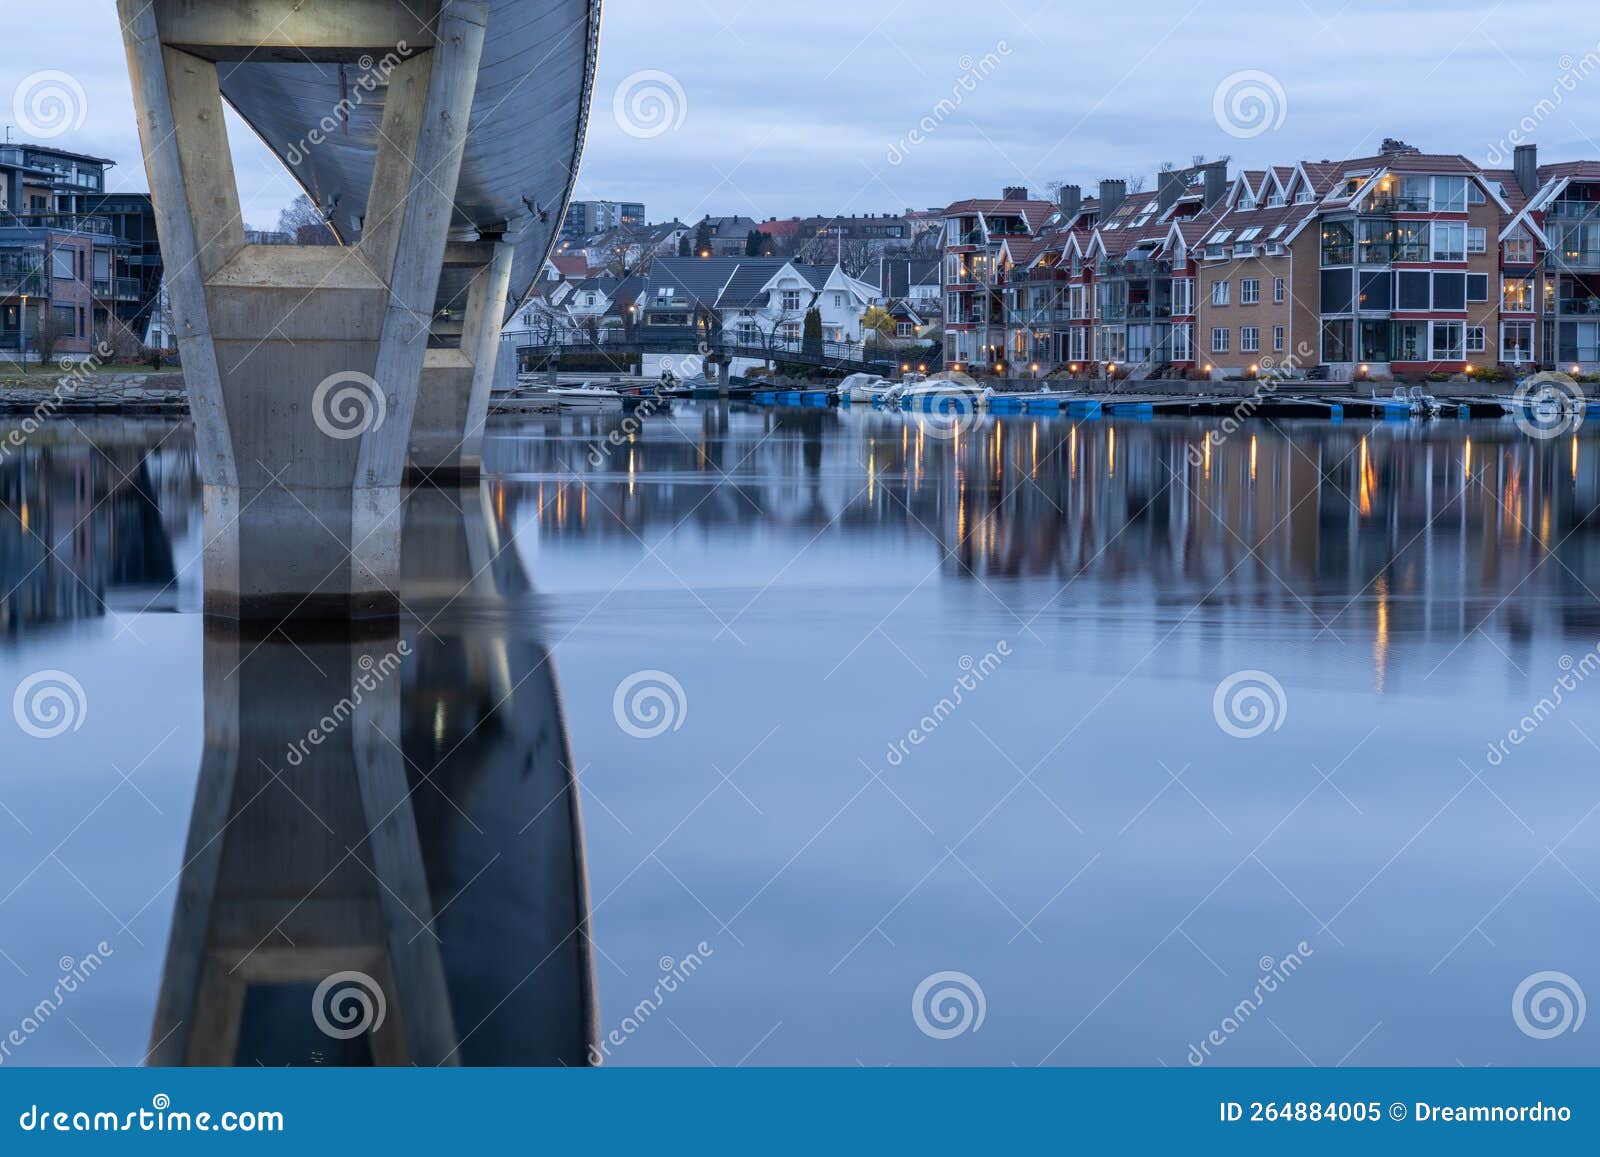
{"x":302,"y":362}
{"x":453,"y":394}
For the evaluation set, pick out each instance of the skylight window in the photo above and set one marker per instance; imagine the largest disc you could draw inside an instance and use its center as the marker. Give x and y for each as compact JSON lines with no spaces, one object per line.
{"x":1251,"y":233}
{"x":1220,"y":236}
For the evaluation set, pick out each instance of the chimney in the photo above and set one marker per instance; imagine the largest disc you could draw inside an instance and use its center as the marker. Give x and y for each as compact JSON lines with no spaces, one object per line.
{"x":1216,"y":178}
{"x":1526,"y":165}
{"x":1015,"y":193}
{"x":1071,"y":200}
{"x":1111,"y":195}
{"x":1169,"y":187}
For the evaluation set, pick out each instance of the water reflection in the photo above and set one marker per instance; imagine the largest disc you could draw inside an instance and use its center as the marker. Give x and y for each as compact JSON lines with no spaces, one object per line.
{"x":1392,"y":527}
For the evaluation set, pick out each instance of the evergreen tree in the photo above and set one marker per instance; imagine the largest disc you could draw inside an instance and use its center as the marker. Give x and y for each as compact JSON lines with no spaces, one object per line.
{"x":753,"y":243}
{"x":811,"y":333}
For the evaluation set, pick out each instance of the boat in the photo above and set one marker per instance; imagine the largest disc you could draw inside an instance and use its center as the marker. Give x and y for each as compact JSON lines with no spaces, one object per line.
{"x":866,"y":388}
{"x":585,"y":397}
{"x":945,"y":391}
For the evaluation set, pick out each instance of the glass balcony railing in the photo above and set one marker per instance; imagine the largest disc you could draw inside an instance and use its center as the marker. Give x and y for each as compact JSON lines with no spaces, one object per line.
{"x":1585,"y":306}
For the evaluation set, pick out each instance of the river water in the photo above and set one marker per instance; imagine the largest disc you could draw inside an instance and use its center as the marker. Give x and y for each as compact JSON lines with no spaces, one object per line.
{"x":1027,"y":742}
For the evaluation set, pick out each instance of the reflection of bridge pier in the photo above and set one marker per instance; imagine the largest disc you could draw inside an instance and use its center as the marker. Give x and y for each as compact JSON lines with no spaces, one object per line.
{"x":389,"y":818}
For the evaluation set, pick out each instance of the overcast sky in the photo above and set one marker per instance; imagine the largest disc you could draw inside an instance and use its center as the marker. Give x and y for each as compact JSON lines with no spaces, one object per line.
{"x":788,"y":109}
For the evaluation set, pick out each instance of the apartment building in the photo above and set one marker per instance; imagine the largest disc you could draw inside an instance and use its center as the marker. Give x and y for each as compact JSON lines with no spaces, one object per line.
{"x":70,"y":252}
{"x":586,"y":218}
{"x":978,"y":255}
{"x":1403,"y":264}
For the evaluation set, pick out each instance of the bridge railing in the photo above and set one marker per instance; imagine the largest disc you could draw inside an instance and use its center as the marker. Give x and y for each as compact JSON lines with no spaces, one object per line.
{"x":826,"y":353}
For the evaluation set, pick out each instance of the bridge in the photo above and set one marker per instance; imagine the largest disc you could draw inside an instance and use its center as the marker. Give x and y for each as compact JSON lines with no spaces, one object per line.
{"x":834,"y":356}
{"x":440,"y":140}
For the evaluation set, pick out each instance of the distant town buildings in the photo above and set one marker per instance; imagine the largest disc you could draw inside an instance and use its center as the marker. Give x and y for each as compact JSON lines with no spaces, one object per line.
{"x":586,"y":218}
{"x":73,"y":258}
{"x":1402,"y":263}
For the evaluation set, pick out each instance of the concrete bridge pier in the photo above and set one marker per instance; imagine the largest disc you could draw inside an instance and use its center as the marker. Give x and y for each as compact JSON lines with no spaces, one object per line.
{"x":302,"y":362}
{"x":453,"y":394}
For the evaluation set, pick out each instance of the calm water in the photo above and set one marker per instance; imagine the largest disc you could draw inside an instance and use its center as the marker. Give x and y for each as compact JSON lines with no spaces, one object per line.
{"x":849,"y":705}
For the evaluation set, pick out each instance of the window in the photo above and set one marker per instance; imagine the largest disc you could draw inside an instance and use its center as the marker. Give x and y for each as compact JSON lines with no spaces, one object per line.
{"x":1519,"y":251}
{"x":1477,"y":339}
{"x":1075,"y":343}
{"x":1182,"y":343}
{"x":1449,"y":291}
{"x":1475,"y":193}
{"x":1246,"y":201}
{"x":61,"y":263}
{"x":1449,"y":194}
{"x":1516,"y":294}
{"x":1449,"y":241}
{"x":1336,"y":341}
{"x":1275,"y":201}
{"x":1182,"y":296}
{"x":748,"y":335}
{"x":1477,"y":239}
{"x":1277,"y":289}
{"x":1449,"y":341}
{"x":790,"y":331}
{"x":1477,"y":287}
{"x":1075,"y":300}
{"x":1277,"y":339}
{"x":1219,"y":293}
{"x":1219,"y":340}
{"x":1250,"y":291}
{"x":1249,"y":339}
{"x":1250,"y":234}
{"x":904,"y":329}
{"x":789,"y":300}
{"x":838,"y":299}
{"x":1415,"y":291}
{"x":1304,"y":197}
{"x":1516,"y":341}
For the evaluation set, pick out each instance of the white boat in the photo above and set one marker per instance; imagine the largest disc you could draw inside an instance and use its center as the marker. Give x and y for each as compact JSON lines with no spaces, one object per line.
{"x":864,"y":388}
{"x":585,"y":397}
{"x":945,"y":390}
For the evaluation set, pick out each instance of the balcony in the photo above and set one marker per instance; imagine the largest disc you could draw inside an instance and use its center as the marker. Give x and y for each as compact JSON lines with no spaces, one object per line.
{"x":1572,"y":210}
{"x":14,"y":284}
{"x":63,"y":222}
{"x":1584,"y":258}
{"x":1580,"y":306}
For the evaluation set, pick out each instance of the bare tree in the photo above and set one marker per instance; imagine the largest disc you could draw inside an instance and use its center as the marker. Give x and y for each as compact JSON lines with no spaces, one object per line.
{"x":48,"y":334}
{"x":304,"y":222}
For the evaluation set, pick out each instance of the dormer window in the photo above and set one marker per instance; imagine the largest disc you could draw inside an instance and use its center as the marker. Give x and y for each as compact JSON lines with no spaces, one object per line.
{"x":1246,"y":201}
{"x":1275,"y":201}
{"x":1304,"y":197}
